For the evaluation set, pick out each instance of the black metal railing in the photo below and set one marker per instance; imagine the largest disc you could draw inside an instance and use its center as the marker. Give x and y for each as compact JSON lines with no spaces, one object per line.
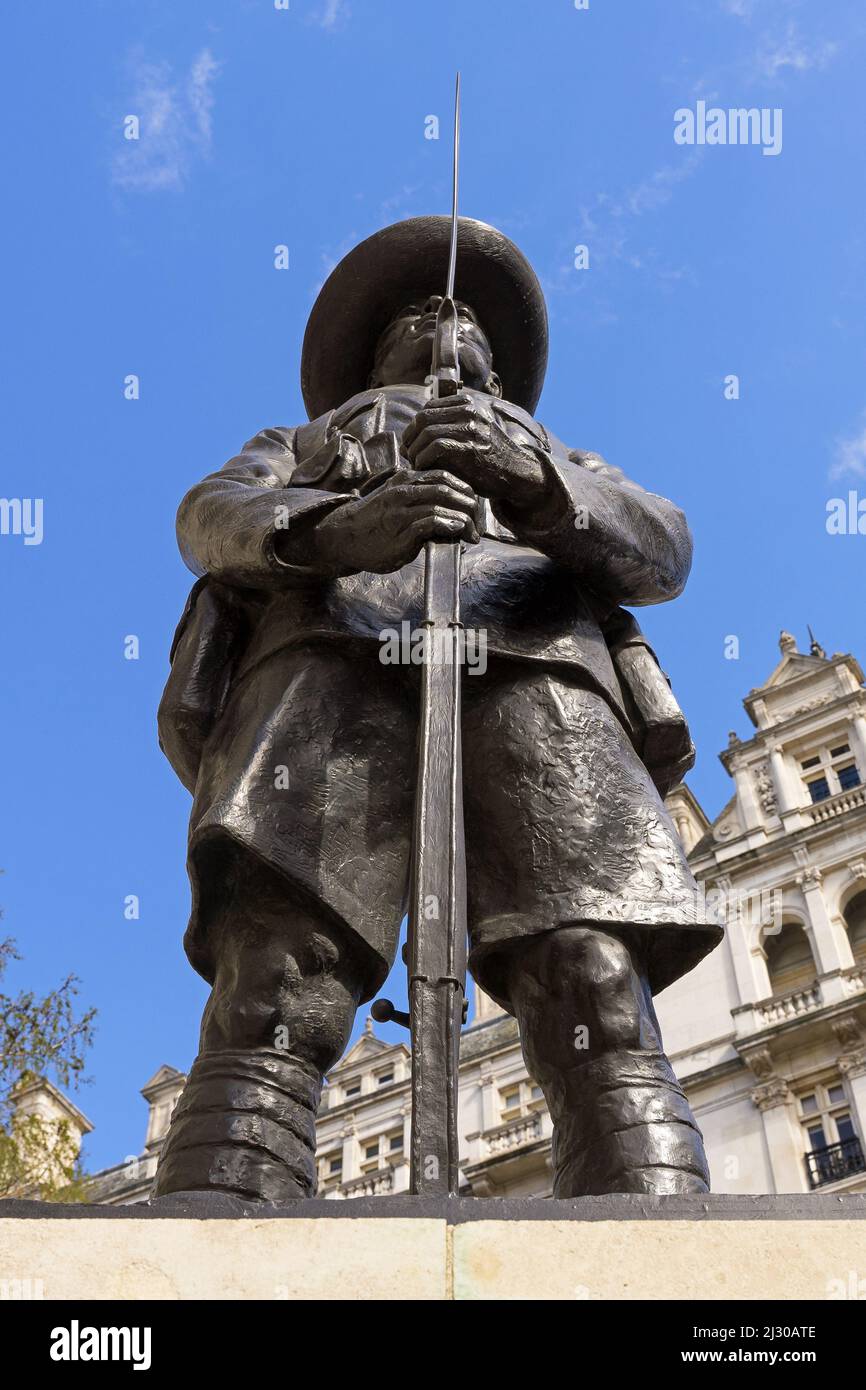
{"x":835,"y":1162}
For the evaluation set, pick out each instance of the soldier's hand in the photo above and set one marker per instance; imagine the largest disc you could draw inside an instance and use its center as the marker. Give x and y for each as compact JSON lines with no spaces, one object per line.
{"x":461,"y":433}
{"x":387,"y":528}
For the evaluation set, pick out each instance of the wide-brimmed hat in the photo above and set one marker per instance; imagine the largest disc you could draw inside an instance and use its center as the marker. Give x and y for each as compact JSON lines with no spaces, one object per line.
{"x":409,"y":261}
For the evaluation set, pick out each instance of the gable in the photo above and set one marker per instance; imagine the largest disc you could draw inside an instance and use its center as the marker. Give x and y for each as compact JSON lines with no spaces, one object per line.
{"x":164,"y":1074}
{"x":792,"y":667}
{"x":368,"y":1048}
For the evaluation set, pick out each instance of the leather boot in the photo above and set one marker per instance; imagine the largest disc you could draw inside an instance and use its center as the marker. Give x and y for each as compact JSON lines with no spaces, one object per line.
{"x":245,"y":1125}
{"x":626,"y":1126}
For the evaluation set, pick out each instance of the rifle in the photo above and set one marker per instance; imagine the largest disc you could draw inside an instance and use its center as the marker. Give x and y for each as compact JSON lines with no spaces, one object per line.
{"x":436,"y":946}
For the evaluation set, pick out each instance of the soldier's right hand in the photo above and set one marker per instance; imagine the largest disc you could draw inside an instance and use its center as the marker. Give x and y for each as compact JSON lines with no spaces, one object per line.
{"x":388,"y":527}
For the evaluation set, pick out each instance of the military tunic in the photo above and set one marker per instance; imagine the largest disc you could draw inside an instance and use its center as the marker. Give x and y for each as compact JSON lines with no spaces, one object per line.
{"x":310,"y":766}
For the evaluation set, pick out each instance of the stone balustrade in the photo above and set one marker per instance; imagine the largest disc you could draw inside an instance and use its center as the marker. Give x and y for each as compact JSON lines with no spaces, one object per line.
{"x":525,"y":1129}
{"x":837,"y":805}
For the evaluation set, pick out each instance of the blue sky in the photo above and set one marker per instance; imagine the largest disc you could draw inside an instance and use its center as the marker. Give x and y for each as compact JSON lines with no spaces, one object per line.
{"x":306,"y":127}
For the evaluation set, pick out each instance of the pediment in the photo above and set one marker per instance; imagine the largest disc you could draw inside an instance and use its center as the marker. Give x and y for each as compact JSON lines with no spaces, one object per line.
{"x":367,"y":1049}
{"x":792,"y":667}
{"x":165,"y":1075}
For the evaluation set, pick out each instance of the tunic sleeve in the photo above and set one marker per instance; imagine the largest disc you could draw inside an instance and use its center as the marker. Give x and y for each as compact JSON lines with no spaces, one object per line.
{"x":628,"y":545}
{"x":241,"y":524}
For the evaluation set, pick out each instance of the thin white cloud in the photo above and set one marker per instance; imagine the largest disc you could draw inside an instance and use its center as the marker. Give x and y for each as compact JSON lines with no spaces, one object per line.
{"x":399,"y":203}
{"x":175,"y":118}
{"x":608,"y":227}
{"x":775,"y":47}
{"x":746,"y":9}
{"x":850,"y":455}
{"x":200,"y":90}
{"x":658,"y":189}
{"x":331,"y":13}
{"x":794,"y":53}
{"x":609,"y":217}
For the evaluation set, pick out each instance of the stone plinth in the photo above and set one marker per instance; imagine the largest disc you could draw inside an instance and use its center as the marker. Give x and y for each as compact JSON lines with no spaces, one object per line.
{"x":619,"y":1247}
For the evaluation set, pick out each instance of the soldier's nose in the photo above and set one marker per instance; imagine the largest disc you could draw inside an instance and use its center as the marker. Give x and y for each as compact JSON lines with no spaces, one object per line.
{"x":432,"y":305}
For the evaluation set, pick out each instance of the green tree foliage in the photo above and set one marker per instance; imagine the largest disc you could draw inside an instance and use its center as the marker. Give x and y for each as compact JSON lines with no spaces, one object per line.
{"x":40,"y":1037}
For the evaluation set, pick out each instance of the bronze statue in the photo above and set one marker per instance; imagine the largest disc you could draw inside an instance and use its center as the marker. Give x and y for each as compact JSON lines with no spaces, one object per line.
{"x":298,"y":741}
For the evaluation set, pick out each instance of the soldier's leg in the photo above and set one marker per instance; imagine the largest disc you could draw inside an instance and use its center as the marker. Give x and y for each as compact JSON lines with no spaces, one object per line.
{"x":591,"y":1040}
{"x":285,"y":991}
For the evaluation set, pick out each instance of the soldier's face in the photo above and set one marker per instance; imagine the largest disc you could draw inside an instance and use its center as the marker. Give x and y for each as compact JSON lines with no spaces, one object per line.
{"x":405,"y":350}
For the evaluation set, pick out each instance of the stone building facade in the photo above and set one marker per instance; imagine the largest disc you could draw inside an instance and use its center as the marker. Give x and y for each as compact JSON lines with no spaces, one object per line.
{"x":768,"y":1035}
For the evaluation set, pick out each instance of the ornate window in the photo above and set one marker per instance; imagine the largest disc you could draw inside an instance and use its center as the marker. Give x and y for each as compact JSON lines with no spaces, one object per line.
{"x":371,"y":1155}
{"x":829,"y":771}
{"x":519,"y":1098}
{"x":331,"y":1169}
{"x":855,"y":921}
{"x":831,"y":1143}
{"x":378,"y":1149}
{"x":790,"y":963}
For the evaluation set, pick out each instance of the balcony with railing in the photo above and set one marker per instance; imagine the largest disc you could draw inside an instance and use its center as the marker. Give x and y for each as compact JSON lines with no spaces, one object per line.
{"x":378,"y":1183}
{"x":780,"y":1007}
{"x":509,"y":1155}
{"x":828,"y":991}
{"x":517,"y":1132}
{"x":835,"y":1162}
{"x":851,"y":799}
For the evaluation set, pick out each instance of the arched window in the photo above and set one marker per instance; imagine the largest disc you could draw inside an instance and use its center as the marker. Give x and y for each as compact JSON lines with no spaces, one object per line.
{"x":790,"y":962}
{"x":855,"y":921}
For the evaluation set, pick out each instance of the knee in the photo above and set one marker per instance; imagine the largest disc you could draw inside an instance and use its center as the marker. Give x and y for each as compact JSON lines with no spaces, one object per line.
{"x":298,"y":997}
{"x":584,"y":960}
{"x":573,"y":968}
{"x":582,"y":982}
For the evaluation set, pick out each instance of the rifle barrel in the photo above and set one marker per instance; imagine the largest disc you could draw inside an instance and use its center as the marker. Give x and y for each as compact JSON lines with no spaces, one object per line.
{"x":437,"y":908}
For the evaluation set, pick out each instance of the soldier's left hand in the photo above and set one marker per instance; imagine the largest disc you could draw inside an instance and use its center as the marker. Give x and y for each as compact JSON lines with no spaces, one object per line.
{"x":461,"y":433}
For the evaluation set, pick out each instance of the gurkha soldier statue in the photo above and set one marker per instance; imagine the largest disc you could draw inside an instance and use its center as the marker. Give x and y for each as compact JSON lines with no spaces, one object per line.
{"x":300,"y":745}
